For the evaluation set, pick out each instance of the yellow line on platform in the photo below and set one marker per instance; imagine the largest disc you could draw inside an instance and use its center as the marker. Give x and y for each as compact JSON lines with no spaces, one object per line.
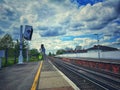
{"x":34,"y":85}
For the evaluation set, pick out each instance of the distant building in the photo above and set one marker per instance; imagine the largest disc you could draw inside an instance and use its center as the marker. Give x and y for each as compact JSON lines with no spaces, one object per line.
{"x":101,"y":48}
{"x":78,"y":48}
{"x":68,"y":50}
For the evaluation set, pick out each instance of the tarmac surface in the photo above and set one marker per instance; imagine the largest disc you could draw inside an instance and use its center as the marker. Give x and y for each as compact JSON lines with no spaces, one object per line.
{"x":19,"y":76}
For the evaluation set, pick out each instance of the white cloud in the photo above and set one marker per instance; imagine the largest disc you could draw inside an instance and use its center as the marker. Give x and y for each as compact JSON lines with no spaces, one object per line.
{"x":96,"y":16}
{"x":85,"y":42}
{"x":48,"y":16}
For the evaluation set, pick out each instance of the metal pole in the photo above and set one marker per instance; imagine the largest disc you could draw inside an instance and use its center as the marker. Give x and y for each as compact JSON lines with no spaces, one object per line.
{"x":98,"y":47}
{"x":27,"y":53}
{"x":20,"y":60}
{"x":0,"y":63}
{"x":15,"y":52}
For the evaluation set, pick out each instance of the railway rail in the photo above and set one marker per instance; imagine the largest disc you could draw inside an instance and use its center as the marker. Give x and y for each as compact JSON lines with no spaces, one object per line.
{"x":87,"y":79}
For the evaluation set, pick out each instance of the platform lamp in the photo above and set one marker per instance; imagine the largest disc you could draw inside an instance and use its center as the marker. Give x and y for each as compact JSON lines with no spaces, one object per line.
{"x":98,"y":47}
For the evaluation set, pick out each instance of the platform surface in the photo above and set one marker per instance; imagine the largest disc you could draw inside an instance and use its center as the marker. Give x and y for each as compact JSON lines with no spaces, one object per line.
{"x":19,"y":76}
{"x":51,"y":79}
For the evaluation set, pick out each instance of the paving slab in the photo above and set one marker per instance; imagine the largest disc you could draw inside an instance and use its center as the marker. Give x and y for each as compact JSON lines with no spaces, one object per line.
{"x":51,"y":79}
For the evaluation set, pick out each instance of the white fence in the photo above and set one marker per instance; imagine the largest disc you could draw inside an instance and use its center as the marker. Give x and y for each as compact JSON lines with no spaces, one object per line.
{"x":105,"y":55}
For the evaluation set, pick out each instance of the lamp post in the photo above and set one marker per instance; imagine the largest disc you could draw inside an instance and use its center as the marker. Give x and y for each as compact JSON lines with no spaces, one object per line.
{"x":98,"y":47}
{"x":75,"y":51}
{"x":86,"y":44}
{"x":20,"y":60}
{"x":27,"y":51}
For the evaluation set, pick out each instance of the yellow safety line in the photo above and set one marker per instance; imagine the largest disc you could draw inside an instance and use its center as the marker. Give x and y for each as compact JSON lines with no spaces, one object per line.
{"x":34,"y":85}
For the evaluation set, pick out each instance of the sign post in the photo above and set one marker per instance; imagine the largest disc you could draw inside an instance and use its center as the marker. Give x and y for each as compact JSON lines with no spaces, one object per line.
{"x":28,"y":35}
{"x":27,"y":52}
{"x":20,"y":59}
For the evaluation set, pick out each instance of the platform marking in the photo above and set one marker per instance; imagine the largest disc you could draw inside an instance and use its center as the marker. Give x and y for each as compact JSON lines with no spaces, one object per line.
{"x":34,"y":85}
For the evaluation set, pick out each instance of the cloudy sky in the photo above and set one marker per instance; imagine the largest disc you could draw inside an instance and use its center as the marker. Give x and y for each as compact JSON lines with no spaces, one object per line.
{"x":63,"y":23}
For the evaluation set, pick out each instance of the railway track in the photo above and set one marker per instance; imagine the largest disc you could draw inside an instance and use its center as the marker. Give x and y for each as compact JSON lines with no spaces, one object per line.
{"x":87,"y":79}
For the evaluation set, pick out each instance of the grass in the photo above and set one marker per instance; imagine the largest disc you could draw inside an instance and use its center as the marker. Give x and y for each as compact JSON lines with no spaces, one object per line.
{"x":11,"y":61}
{"x":33,"y":59}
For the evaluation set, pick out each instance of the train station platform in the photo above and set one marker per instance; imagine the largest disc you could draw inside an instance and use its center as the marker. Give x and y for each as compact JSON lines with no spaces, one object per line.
{"x":51,"y":79}
{"x":29,"y":76}
{"x":19,"y":76}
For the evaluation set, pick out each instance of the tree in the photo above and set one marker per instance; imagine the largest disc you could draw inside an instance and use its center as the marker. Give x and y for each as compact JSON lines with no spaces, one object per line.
{"x":6,"y":42}
{"x":51,"y":54}
{"x":34,"y":52}
{"x":61,"y":51}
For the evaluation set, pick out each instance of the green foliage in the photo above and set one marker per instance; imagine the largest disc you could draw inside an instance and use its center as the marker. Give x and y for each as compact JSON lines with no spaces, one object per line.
{"x":50,"y":54}
{"x":6,"y":42}
{"x":34,"y":55}
{"x":10,"y":62}
{"x":34,"y":52}
{"x":33,"y":59}
{"x":12,"y":47}
{"x":61,"y":51}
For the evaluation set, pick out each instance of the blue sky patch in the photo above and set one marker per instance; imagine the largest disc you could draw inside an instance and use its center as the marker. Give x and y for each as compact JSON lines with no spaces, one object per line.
{"x":1,"y":32}
{"x":85,"y":2}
